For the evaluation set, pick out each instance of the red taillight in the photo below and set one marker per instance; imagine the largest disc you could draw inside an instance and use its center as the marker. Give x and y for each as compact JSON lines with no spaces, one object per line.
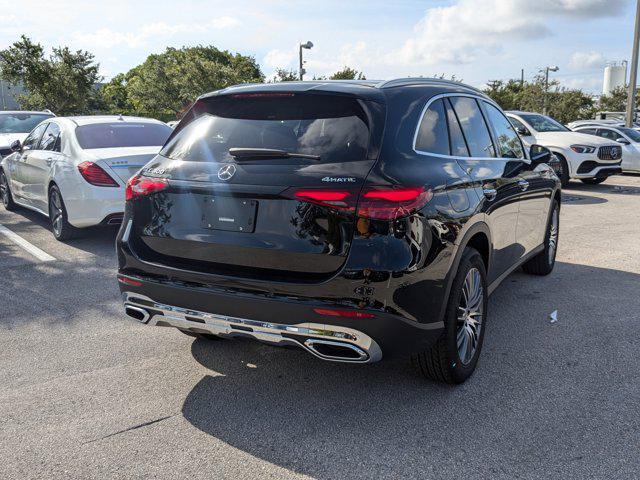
{"x":138,"y":186}
{"x":378,"y":203}
{"x":129,"y":281}
{"x":383,"y":203}
{"x":95,"y":175}
{"x":343,"y":313}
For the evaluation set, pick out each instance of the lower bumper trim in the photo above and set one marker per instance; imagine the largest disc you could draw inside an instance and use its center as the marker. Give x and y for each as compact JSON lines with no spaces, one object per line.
{"x":328,"y":342}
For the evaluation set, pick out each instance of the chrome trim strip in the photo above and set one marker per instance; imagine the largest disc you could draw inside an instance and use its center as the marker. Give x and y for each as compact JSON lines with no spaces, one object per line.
{"x":364,"y":346}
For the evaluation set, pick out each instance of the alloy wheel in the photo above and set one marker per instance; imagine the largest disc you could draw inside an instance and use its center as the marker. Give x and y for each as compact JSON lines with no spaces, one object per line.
{"x":470,"y":316}
{"x":55,"y":212}
{"x":553,"y":235}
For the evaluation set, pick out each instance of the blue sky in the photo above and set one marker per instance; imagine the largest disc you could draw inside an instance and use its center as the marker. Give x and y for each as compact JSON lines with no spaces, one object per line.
{"x":475,"y":40}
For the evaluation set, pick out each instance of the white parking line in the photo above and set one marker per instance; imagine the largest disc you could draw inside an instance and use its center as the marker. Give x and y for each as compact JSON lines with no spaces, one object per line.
{"x":32,"y":249}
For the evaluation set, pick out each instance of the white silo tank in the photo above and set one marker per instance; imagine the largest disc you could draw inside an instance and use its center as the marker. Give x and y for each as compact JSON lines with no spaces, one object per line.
{"x":615,"y":75}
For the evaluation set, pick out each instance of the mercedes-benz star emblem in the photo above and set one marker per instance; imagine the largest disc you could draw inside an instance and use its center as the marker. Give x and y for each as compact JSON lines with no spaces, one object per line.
{"x":614,"y":154}
{"x":226,"y":172}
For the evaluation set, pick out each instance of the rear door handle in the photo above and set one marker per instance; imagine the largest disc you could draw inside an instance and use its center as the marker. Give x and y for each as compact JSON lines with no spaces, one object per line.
{"x":490,"y":193}
{"x":523,"y":184}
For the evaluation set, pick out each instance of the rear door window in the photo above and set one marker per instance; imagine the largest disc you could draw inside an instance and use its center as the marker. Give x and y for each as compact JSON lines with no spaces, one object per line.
{"x":473,"y":126}
{"x":607,"y":133}
{"x":588,"y":131}
{"x":509,"y":145}
{"x":456,"y":137}
{"x":51,"y":138}
{"x":122,"y":134}
{"x":331,"y":127}
{"x":432,"y":136}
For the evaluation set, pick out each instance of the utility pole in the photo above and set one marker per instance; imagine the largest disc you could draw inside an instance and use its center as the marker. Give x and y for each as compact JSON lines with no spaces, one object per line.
{"x":633,"y":78}
{"x":546,"y":86}
{"x":308,"y":46}
{"x":521,"y":86}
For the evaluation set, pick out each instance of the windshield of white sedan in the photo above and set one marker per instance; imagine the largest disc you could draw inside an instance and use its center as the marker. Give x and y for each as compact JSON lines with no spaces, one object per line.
{"x":326,"y":129}
{"x":20,"y":122}
{"x":540,"y":123}
{"x":116,"y":135}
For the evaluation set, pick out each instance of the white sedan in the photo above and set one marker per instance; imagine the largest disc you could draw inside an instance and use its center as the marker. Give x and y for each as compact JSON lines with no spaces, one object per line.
{"x":74,"y":169}
{"x":629,"y":138}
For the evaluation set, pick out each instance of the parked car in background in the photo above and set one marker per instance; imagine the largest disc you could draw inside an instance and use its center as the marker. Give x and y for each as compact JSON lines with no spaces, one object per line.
{"x":593,"y":123}
{"x":16,"y":125}
{"x":74,"y":169}
{"x":583,"y":157}
{"x":352,"y":219}
{"x":628,"y":138}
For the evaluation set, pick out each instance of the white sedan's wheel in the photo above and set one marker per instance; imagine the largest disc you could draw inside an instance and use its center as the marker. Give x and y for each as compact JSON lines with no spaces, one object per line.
{"x":61,"y":228}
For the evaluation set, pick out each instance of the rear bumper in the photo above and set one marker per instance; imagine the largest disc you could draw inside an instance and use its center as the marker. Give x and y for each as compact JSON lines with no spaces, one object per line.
{"x":277,"y":321}
{"x":93,"y":205}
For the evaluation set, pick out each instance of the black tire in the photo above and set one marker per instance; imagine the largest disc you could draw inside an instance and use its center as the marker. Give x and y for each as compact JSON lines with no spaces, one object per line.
{"x":593,"y":181}
{"x":60,"y":226}
{"x":543,"y":263}
{"x":5,"y":193}
{"x":563,"y":174}
{"x":443,"y":361}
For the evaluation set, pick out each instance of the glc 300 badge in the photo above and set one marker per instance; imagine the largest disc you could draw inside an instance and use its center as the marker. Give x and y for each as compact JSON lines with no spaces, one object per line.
{"x":226,"y":172}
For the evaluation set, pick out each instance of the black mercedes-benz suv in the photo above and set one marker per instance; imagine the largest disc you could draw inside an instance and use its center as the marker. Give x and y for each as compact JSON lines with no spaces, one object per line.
{"x":356,"y":220}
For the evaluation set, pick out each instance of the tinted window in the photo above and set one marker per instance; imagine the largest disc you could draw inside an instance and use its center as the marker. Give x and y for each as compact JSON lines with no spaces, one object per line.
{"x":51,"y":138}
{"x":473,"y":126}
{"x":331,"y":127}
{"x":517,"y":123}
{"x":588,"y":131}
{"x":31,"y":142}
{"x":634,"y":135}
{"x":456,"y":138}
{"x":432,"y":135}
{"x":20,"y":122}
{"x":540,"y":123}
{"x":122,"y":134}
{"x":606,"y":133}
{"x":509,"y":145}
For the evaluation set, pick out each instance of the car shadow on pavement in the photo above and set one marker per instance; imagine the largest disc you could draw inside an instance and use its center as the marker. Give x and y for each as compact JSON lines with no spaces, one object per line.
{"x":609,"y":186}
{"x":336,"y":421}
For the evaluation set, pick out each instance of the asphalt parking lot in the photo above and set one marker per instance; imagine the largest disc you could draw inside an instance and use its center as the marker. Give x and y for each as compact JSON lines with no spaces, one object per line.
{"x":86,"y":393}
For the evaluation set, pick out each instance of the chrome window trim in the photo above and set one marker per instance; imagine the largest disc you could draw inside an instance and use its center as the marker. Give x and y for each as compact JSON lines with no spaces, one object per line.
{"x":446,"y":95}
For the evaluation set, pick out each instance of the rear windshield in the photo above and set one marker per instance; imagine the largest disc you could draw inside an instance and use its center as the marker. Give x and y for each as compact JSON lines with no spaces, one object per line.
{"x":333,"y":128}
{"x":20,"y":122}
{"x":129,"y":134}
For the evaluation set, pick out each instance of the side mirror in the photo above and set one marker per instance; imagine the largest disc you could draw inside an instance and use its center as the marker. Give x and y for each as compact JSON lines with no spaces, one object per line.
{"x":539,"y":154}
{"x":523,"y":131}
{"x":15,"y":146}
{"x":623,"y":141}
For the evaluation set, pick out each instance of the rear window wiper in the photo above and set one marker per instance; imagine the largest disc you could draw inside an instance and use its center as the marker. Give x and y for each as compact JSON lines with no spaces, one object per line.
{"x":257,"y":153}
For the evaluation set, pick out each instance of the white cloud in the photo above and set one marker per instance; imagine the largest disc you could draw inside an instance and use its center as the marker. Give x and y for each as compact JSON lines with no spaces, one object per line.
{"x":280,"y":58}
{"x":459,"y":33}
{"x":586,"y":60}
{"x":107,"y":38}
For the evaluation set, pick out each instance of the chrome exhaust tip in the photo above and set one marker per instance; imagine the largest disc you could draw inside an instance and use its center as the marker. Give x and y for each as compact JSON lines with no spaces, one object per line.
{"x":137,"y":313}
{"x":336,"y":351}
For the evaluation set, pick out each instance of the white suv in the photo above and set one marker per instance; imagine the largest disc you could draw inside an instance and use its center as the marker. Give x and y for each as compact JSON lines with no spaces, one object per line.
{"x":588,"y":158}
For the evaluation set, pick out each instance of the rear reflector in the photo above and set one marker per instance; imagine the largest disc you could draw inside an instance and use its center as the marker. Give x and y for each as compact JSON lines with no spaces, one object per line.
{"x":343,"y":313}
{"x":139,"y":186}
{"x":379,"y":203}
{"x":95,"y":175}
{"x":129,"y":281}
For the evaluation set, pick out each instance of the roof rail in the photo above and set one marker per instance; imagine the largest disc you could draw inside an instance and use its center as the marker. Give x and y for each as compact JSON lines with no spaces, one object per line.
{"x":395,"y":82}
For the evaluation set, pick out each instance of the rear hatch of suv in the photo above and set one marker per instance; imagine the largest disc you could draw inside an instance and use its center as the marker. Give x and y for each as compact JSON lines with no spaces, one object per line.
{"x":258,"y":185}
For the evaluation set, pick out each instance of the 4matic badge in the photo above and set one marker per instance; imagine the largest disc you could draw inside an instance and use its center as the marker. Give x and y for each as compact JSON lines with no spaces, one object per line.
{"x":339,"y":179}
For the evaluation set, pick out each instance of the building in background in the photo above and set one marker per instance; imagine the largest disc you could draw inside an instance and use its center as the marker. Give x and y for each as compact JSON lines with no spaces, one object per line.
{"x":615,"y":76}
{"x":8,"y":96}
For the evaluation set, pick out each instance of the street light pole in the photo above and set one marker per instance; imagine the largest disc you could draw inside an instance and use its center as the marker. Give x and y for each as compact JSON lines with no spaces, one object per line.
{"x":546,"y":86}
{"x":631,"y":95}
{"x":308,"y":46}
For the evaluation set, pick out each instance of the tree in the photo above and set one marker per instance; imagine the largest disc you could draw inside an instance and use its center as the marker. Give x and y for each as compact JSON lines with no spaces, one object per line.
{"x":616,"y":101}
{"x":166,"y":84}
{"x":565,"y":105}
{"x":347,"y":73}
{"x":63,"y":82}
{"x":283,"y":75}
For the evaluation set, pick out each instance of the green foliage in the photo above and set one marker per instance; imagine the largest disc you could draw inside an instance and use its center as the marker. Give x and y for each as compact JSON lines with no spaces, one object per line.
{"x":565,"y":105}
{"x":616,"y":101}
{"x":283,"y":75}
{"x":166,"y":84}
{"x":347,"y":73}
{"x":63,"y":83}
